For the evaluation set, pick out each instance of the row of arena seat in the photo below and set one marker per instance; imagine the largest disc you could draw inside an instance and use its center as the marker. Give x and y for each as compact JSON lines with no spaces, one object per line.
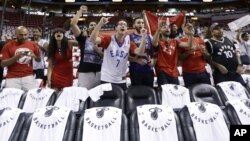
{"x":29,"y":127}
{"x":128,"y":102}
{"x":79,"y":99}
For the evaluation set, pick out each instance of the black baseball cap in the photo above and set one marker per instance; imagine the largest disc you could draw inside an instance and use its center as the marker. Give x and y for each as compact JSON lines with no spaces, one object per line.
{"x":215,"y":25}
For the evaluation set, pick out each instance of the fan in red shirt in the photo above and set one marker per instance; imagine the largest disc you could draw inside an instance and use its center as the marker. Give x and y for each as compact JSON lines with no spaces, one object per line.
{"x":193,"y":59}
{"x":60,"y":68}
{"x":17,"y":56}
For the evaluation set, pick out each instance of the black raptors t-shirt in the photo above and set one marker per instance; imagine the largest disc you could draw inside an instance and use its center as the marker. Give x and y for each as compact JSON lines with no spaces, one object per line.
{"x":223,"y":52}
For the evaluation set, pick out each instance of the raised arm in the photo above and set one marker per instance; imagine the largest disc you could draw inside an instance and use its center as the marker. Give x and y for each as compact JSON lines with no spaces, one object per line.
{"x":156,"y":36}
{"x":75,"y":28}
{"x":94,"y":35}
{"x":141,"y":49}
{"x":72,"y":43}
{"x":189,"y":33}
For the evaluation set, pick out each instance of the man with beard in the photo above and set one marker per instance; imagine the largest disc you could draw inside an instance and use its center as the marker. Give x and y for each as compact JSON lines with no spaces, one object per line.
{"x":168,"y":53}
{"x":224,"y":57}
{"x":91,"y":55}
{"x":167,"y":58}
{"x":116,"y":51}
{"x":38,"y":67}
{"x":176,"y":33}
{"x":140,"y":69}
{"x":193,"y":58}
{"x":17,"y":57}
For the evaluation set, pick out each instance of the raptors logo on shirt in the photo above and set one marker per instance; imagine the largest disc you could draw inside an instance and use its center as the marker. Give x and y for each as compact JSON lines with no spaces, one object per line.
{"x":25,"y":59}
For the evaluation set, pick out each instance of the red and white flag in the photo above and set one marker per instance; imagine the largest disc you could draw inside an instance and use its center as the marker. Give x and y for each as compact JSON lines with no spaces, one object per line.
{"x":152,"y":21}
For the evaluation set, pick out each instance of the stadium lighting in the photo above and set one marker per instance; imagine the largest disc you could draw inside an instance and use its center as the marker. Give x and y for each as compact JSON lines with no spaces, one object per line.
{"x":163,"y":0}
{"x":207,"y":0}
{"x":69,"y":0}
{"x":117,"y":0}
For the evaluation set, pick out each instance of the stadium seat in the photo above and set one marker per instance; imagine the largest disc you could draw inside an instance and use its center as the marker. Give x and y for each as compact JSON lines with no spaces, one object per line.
{"x":205,"y":93}
{"x":139,"y":95}
{"x":68,"y":132}
{"x":246,"y":78}
{"x":232,"y":90}
{"x":74,"y":98}
{"x":39,"y":83}
{"x":175,"y":96}
{"x":113,"y":98}
{"x":17,"y":129}
{"x":10,"y":97}
{"x":124,"y":129}
{"x":232,"y":114}
{"x":50,"y":102}
{"x":188,"y":127}
{"x":134,"y":128}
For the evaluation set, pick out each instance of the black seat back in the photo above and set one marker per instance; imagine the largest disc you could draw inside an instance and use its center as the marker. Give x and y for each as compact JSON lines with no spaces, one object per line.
{"x":232,"y":115}
{"x":187,"y":124}
{"x":139,"y":95}
{"x":224,"y":95}
{"x":205,"y":93}
{"x":16,"y":132}
{"x":114,"y":98}
{"x":22,"y":100}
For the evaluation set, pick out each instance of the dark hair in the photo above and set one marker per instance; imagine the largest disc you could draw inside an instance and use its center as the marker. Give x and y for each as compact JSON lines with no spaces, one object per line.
{"x":53,"y":46}
{"x":244,"y":34}
{"x":39,"y":29}
{"x":62,"y":30}
{"x":137,"y":19}
{"x":121,"y":20}
{"x":92,"y":22}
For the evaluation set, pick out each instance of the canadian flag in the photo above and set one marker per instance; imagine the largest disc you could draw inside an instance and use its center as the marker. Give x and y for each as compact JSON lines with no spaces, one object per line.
{"x":152,"y":21}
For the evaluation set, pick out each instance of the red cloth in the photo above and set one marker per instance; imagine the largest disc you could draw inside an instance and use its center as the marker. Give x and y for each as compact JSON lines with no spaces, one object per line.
{"x":194,"y":63}
{"x":152,"y":21}
{"x":167,"y":59}
{"x":17,"y":69}
{"x":62,"y":73}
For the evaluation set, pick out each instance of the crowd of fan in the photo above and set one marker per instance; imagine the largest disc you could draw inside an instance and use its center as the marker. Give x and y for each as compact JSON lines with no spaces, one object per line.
{"x":104,"y":58}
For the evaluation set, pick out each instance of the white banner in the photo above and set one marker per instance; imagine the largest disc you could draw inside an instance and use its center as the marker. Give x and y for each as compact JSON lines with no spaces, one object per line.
{"x":239,"y":23}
